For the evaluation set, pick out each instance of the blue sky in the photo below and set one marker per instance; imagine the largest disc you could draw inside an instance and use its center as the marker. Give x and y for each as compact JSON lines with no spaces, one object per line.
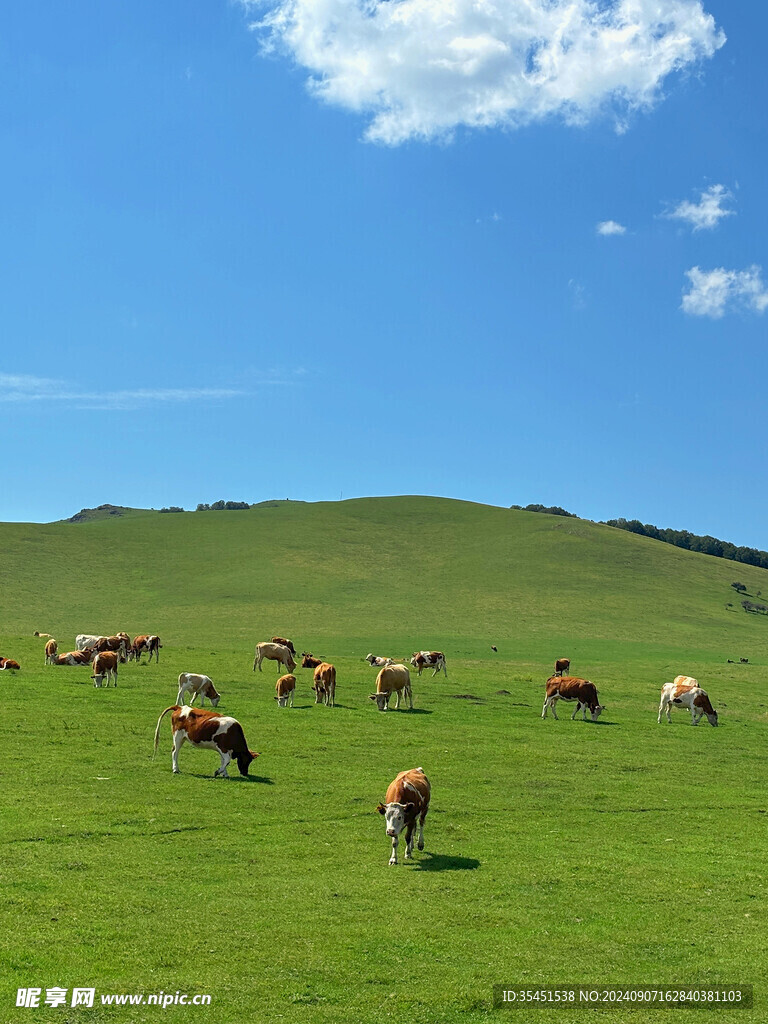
{"x":222,"y":281}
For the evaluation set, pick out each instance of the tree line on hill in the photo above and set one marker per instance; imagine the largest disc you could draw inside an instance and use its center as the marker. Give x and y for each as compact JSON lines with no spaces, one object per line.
{"x":693,"y":542}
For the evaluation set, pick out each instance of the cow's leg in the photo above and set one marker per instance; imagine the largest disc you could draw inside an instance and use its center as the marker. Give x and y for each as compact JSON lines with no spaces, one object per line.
{"x":409,"y":831}
{"x":397,"y":700}
{"x":661,"y":709}
{"x":578,"y":708}
{"x":545,"y":708}
{"x":421,"y":829}
{"x":222,"y":769}
{"x":695,"y":719}
{"x":291,"y":700}
{"x":393,"y":858}
{"x":410,"y":698}
{"x":178,"y":742}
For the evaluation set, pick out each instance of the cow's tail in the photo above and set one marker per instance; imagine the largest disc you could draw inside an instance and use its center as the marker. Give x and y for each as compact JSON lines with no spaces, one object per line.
{"x":173,"y":707}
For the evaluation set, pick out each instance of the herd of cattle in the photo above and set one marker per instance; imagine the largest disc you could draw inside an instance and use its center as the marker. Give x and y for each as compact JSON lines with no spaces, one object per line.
{"x":407,"y":799}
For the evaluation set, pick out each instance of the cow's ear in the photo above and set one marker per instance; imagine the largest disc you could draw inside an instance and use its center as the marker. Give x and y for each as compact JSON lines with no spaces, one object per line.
{"x":409,"y":808}
{"x":381,"y":808}
{"x":372,"y":696}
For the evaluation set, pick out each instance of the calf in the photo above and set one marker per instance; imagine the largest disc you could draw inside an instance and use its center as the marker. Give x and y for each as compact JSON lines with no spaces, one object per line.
{"x":285,"y":643}
{"x":8,"y":664}
{"x":375,"y":662}
{"x":407,"y":799}
{"x":324,"y":676}
{"x":685,"y":692}
{"x":284,"y":689}
{"x":51,"y":649}
{"x":562,"y":665}
{"x":211,"y":731}
{"x":392,"y":679}
{"x":74,"y":657}
{"x":190,"y":682}
{"x":105,"y":664}
{"x":273,"y":652}
{"x":572,"y":688}
{"x":429,"y":659}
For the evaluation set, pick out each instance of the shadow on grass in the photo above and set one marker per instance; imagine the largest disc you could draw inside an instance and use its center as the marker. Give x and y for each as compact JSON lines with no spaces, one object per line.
{"x":233,"y":778}
{"x":442,"y":862}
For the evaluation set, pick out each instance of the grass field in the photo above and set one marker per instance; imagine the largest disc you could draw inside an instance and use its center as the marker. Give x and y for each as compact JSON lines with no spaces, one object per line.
{"x":556,"y":851}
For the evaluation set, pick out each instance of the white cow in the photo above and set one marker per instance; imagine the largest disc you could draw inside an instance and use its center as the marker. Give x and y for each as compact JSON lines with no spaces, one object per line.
{"x":83,"y":640}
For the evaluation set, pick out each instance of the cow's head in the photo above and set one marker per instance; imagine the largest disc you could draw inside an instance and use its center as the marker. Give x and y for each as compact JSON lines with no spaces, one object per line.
{"x":396,"y":816}
{"x":214,"y":696}
{"x":370,"y":658}
{"x":382,"y":700}
{"x":244,"y":761}
{"x":282,"y":700}
{"x":319,"y":692}
{"x":595,"y":711}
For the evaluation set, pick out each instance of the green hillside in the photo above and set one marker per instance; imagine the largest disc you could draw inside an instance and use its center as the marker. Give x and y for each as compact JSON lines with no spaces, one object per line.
{"x":557,"y":852}
{"x":357,"y":572}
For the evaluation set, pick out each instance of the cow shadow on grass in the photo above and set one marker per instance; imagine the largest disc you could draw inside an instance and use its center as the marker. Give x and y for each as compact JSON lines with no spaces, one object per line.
{"x":443,"y":862}
{"x":233,"y":778}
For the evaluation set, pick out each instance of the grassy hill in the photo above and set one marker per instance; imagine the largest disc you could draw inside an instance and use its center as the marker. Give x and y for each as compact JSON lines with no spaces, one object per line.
{"x":556,"y":852}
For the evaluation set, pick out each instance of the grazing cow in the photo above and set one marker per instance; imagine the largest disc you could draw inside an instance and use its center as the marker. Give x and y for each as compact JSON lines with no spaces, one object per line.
{"x":105,"y":664}
{"x":562,"y":665}
{"x":429,"y":659}
{"x":375,"y":662}
{"x":146,"y":642}
{"x":74,"y":657}
{"x":51,"y":648}
{"x":392,"y":679}
{"x":407,"y":799}
{"x":190,"y":682}
{"x":572,"y":688}
{"x":284,"y":688}
{"x":324,"y":683}
{"x":83,"y":640}
{"x":8,"y":664}
{"x":273,"y":652}
{"x":209,"y":730}
{"x":285,"y":643}
{"x":685,"y":692}
{"x":494,"y":647}
{"x":743,"y":661}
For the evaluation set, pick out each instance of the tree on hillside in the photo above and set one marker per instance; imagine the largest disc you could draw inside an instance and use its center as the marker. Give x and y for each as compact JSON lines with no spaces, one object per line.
{"x":740,"y":588}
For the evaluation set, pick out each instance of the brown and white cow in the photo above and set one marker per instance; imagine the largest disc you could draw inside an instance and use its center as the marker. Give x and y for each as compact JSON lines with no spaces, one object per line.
{"x":112,"y":643}
{"x":51,"y":649}
{"x":685,"y":692}
{"x":375,"y":662}
{"x":146,"y":642}
{"x":571,"y":688}
{"x":273,"y":652}
{"x":105,"y":664}
{"x":74,"y":657}
{"x":284,"y":690}
{"x":562,"y":665}
{"x":407,"y":799}
{"x":324,"y":676}
{"x":429,"y":659}
{"x":211,"y":731}
{"x":191,"y":682}
{"x":286,"y":643}
{"x":392,"y":679}
{"x":8,"y":664}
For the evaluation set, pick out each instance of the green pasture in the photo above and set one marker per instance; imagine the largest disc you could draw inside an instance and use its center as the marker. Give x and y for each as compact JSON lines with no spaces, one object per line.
{"x":556,"y":851}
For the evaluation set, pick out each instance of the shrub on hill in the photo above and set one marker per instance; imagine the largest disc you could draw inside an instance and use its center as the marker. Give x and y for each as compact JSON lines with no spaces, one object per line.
{"x":552,"y":510}
{"x":222,"y":506}
{"x":172,"y":508}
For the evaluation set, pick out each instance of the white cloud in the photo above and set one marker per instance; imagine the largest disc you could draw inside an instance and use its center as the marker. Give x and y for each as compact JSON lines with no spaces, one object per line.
{"x":421,"y":68}
{"x":715,"y":292}
{"x":611,"y":227}
{"x":22,"y":388}
{"x":708,"y":212}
